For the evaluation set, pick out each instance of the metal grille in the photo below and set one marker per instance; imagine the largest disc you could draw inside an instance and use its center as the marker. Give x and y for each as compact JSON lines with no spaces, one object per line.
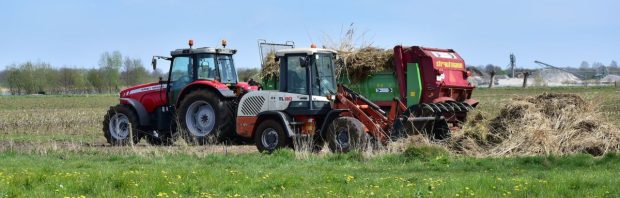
{"x":266,"y":48}
{"x":252,"y":105}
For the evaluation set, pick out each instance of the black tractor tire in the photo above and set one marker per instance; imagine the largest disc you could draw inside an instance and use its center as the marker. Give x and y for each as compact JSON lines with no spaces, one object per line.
{"x":116,"y":126}
{"x":270,"y":136}
{"x":223,"y":124}
{"x":164,"y":138}
{"x":346,"y":134}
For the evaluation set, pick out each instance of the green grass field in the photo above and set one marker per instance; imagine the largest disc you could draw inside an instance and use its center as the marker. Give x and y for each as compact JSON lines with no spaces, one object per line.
{"x":52,"y":146}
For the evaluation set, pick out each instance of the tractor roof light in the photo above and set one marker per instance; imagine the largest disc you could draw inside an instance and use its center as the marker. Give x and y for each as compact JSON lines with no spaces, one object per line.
{"x":190,"y":43}
{"x":312,"y":45}
{"x":224,"y":43}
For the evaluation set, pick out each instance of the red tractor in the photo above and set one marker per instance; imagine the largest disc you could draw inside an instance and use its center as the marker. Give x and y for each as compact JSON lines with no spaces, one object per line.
{"x":196,"y":101}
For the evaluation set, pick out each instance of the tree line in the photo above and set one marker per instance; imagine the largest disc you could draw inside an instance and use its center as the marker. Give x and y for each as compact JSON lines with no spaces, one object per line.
{"x":113,"y":73}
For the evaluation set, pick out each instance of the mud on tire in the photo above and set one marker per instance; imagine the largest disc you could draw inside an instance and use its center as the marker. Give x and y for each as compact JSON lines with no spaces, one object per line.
{"x":116,"y":126}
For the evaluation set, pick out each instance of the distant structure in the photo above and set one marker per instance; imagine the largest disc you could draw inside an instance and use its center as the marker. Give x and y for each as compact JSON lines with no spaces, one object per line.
{"x":513,"y":64}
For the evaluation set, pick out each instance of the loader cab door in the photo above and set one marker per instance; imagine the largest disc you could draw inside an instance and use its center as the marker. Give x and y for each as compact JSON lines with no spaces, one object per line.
{"x":294,"y":76}
{"x":181,"y":74}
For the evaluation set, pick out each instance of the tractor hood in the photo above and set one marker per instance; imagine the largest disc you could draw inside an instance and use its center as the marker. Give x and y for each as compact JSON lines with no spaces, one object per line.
{"x":142,"y":89}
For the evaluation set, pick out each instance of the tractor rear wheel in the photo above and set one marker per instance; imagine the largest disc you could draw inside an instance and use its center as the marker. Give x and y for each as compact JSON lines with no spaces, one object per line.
{"x":269,"y":136}
{"x":346,"y":134}
{"x":120,"y":124}
{"x":205,"y":118}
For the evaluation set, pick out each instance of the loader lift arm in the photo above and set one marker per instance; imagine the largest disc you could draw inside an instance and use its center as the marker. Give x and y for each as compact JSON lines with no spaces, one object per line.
{"x":377,"y":123}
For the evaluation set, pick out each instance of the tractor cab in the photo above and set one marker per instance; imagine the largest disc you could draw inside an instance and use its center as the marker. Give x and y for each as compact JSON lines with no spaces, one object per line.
{"x":213,"y":66}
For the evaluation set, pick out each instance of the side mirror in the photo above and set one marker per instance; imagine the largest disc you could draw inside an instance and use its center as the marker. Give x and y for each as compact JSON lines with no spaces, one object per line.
{"x":154,"y":63}
{"x":303,"y":61}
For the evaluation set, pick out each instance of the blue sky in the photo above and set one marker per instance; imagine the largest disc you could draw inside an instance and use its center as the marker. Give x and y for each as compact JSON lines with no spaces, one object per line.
{"x":75,"y":32}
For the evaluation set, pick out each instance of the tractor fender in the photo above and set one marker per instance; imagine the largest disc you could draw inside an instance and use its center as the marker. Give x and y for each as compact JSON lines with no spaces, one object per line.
{"x":331,"y":116}
{"x":283,"y":118}
{"x":143,"y":115}
{"x":217,"y":87}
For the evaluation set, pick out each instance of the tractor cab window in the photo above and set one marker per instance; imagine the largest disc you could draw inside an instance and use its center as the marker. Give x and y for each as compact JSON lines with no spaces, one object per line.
{"x":181,"y":71}
{"x":296,"y":82}
{"x":228,"y":74}
{"x":206,"y":67}
{"x":323,"y":69}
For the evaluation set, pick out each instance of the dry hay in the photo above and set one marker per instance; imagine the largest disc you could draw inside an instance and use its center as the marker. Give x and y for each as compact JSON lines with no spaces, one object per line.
{"x":271,"y":68}
{"x":357,"y":59}
{"x":360,"y":63}
{"x":547,"y":124}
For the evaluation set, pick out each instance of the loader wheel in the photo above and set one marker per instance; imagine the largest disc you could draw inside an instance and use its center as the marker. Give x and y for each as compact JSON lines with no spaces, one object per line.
{"x":163,"y":138}
{"x":346,"y":134}
{"x":269,"y":136}
{"x":205,"y":118}
{"x":118,"y":123}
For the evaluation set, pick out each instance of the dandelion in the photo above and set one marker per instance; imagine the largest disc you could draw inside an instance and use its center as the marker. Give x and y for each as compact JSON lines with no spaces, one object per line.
{"x":349,"y":178}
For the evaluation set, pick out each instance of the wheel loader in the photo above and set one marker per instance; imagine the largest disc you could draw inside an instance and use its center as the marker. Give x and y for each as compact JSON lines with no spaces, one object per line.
{"x":426,"y":92}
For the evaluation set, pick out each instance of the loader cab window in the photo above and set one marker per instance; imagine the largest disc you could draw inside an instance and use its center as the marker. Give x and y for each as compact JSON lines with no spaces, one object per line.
{"x":324,"y":82}
{"x":296,"y":74}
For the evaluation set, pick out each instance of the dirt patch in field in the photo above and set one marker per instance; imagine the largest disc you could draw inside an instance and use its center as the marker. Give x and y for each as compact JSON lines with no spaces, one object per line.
{"x":546,"y":124}
{"x":43,"y":147}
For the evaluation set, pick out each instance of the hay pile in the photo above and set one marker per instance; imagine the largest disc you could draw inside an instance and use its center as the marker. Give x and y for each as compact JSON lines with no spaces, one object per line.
{"x":271,"y":67}
{"x":547,"y":124}
{"x":359,"y":63}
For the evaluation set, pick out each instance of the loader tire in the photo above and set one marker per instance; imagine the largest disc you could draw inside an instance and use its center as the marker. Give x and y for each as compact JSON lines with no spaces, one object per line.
{"x":346,"y":134}
{"x":205,"y":117}
{"x":119,"y":124}
{"x":270,"y":135}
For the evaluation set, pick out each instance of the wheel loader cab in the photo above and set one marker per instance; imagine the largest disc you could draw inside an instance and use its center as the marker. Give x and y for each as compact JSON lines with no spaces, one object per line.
{"x":298,"y":107}
{"x":307,"y":73}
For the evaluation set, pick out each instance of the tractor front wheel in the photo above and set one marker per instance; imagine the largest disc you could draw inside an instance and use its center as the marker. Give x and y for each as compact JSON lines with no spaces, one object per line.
{"x":346,"y":134}
{"x":120,"y":124}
